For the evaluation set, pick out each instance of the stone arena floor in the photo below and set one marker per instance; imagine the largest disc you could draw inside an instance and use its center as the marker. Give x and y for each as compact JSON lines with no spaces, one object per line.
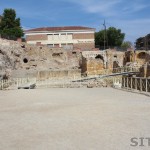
{"x":73,"y":119}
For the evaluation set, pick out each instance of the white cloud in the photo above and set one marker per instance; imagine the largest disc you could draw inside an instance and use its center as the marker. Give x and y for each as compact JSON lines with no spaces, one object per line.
{"x":104,"y":7}
{"x":117,"y":12}
{"x":135,"y":7}
{"x":111,"y":7}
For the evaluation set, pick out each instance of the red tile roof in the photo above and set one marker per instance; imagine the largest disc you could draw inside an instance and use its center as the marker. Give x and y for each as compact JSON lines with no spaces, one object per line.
{"x":60,"y":28}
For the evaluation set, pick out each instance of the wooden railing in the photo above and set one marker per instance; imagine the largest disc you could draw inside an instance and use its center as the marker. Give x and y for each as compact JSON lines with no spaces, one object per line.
{"x":136,"y":83}
{"x":15,"y":83}
{"x":26,"y":82}
{"x":133,"y":83}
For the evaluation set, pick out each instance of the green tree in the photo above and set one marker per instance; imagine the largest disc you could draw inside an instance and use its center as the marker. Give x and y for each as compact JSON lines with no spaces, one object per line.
{"x":113,"y":37}
{"x":139,"y":44}
{"x":10,"y":27}
{"x":126,"y":45}
{"x":143,"y":42}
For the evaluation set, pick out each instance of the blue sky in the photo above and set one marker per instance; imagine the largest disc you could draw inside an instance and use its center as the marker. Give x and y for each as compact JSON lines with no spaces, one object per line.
{"x":131,"y":16}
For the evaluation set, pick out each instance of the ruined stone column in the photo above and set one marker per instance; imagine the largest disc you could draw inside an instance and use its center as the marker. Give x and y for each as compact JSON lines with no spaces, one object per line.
{"x":145,"y":70}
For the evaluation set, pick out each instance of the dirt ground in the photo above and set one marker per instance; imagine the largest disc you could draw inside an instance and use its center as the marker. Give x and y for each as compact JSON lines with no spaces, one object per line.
{"x":73,"y":119}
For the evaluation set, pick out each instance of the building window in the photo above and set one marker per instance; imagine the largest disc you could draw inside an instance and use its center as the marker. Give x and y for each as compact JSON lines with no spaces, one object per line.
{"x":68,"y":46}
{"x":50,"y":45}
{"x":56,"y":45}
{"x":62,"y":45}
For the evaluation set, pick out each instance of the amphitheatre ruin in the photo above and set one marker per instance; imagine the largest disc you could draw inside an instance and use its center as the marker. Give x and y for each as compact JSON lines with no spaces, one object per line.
{"x":74,"y":75}
{"x":53,"y":98}
{"x":26,"y":64}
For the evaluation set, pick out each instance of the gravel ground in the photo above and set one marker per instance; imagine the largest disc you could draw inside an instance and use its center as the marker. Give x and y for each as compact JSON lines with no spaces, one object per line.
{"x":73,"y":119}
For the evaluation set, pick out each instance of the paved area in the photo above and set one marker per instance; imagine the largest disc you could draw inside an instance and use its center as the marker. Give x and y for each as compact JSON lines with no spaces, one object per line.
{"x":73,"y":119}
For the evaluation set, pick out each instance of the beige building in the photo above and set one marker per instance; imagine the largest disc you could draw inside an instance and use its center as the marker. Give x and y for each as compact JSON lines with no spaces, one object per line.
{"x":70,"y":37}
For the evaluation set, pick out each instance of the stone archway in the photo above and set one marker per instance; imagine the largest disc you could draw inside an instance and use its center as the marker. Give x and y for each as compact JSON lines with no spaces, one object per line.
{"x":141,"y":55}
{"x":99,"y":57}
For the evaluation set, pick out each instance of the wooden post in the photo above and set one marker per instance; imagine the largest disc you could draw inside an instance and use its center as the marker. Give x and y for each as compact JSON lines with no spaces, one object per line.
{"x":123,"y":82}
{"x":113,"y":81}
{"x":131,"y":83}
{"x":136,"y":83}
{"x":146,"y":85}
{"x":141,"y":84}
{"x":127,"y":83}
{"x":2,"y":84}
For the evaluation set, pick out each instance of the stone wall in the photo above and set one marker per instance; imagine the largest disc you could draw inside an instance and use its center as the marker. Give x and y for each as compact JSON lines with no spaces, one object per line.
{"x":69,"y":74}
{"x":114,"y":59}
{"x":92,"y":66}
{"x":26,"y":58}
{"x":139,"y":57}
{"x":47,"y":74}
{"x":22,"y":56}
{"x":145,"y":70}
{"x":95,"y":62}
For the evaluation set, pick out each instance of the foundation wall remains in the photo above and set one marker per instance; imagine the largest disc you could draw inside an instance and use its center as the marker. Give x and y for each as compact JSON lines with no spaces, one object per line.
{"x":47,"y":62}
{"x":22,"y":56}
{"x":140,"y":57}
{"x":69,"y":74}
{"x":47,"y":74}
{"x":95,"y":62}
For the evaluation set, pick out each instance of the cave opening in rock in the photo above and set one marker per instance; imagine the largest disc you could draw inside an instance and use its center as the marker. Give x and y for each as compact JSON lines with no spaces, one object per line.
{"x":25,"y":60}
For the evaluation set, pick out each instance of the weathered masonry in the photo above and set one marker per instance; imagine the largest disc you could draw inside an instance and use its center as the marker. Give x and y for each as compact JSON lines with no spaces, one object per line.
{"x":69,"y":37}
